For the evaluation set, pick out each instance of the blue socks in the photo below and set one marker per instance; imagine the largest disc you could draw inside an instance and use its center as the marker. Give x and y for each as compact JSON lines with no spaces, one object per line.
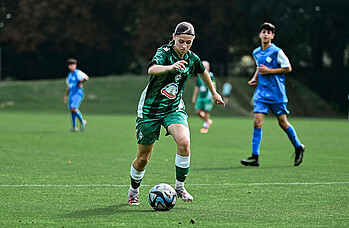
{"x":79,"y":115}
{"x":73,"y":119}
{"x":256,"y":140}
{"x":291,"y":132}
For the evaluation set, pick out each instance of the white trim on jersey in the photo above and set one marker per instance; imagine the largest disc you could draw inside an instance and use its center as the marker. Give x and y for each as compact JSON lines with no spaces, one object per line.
{"x":181,"y":104}
{"x":81,"y":75}
{"x":255,"y":61}
{"x":283,"y":60}
{"x":141,"y":103}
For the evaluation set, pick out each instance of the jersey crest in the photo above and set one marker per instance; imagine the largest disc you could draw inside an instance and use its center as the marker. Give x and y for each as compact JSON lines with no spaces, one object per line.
{"x":170,"y":91}
{"x":178,"y":77}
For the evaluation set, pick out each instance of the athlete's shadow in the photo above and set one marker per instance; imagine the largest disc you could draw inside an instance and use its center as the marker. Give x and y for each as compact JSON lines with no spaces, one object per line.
{"x":238,"y":167}
{"x":109,"y":210}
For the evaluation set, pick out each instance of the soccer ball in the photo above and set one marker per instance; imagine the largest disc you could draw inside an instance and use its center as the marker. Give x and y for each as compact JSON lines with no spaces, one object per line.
{"x":162,"y":197}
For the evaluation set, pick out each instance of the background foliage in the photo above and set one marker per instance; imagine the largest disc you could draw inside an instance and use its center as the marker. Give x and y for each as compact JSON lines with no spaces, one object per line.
{"x":115,"y":37}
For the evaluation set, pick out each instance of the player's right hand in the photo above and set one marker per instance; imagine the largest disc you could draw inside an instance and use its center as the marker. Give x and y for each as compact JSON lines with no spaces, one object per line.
{"x":252,"y":82}
{"x":65,"y":99}
{"x":180,"y":65}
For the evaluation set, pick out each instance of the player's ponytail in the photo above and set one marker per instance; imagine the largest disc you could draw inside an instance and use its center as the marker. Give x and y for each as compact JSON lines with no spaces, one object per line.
{"x":185,"y":28}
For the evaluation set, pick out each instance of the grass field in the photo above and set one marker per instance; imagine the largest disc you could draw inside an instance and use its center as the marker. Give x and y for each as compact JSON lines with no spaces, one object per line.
{"x":39,"y":188}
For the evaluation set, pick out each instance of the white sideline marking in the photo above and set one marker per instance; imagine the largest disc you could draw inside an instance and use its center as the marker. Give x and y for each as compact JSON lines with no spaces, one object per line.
{"x":147,"y":185}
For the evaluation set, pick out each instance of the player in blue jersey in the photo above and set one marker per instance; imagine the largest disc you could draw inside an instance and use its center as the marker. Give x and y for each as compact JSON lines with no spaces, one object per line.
{"x":75,"y":92}
{"x":270,"y":93}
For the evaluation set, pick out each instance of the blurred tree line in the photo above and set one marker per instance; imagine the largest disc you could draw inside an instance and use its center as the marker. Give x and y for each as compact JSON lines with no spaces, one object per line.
{"x":115,"y":37}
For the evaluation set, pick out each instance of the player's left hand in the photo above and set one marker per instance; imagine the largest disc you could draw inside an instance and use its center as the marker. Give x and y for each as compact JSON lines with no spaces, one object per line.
{"x":218,"y":99}
{"x":262,"y":69}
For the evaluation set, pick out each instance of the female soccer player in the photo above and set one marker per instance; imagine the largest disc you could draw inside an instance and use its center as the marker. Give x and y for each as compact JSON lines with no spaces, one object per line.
{"x":161,"y":104}
{"x":272,"y":64}
{"x":202,"y":98}
{"x":75,"y":91}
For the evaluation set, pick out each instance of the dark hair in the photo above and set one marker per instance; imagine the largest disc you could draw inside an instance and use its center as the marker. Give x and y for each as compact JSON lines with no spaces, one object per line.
{"x":72,"y":61}
{"x":267,"y":26}
{"x":185,"y":28}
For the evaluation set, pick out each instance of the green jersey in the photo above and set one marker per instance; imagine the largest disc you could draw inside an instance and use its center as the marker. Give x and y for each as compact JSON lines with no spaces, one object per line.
{"x":204,"y":93}
{"x":163,"y":93}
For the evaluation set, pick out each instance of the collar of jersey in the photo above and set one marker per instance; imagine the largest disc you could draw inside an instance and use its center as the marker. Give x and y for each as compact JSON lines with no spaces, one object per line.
{"x":267,"y":48}
{"x":176,"y":56}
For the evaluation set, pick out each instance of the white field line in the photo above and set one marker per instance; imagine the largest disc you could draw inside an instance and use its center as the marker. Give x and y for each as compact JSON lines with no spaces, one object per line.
{"x":147,"y":185}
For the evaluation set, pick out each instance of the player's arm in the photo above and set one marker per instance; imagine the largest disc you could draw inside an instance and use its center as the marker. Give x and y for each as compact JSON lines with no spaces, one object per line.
{"x":82,"y":77}
{"x":195,"y":94}
{"x":262,"y":69}
{"x":215,"y":96}
{"x":155,"y":70}
{"x":66,"y":95}
{"x":254,"y":79}
{"x":285,"y":66}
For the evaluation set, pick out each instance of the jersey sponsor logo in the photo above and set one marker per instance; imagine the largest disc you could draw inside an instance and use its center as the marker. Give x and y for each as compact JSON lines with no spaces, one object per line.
{"x":166,"y":48}
{"x":268,"y":59}
{"x":170,"y":91}
{"x":140,"y":135}
{"x":178,"y":77}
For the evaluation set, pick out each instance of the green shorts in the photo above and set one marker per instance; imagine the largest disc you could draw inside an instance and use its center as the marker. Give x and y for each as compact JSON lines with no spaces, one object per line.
{"x":204,"y":104}
{"x":148,"y":128}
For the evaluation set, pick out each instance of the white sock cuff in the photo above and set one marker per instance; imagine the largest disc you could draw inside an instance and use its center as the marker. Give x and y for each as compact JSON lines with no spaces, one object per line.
{"x":182,"y":162}
{"x":179,"y":184}
{"x":135,"y":174}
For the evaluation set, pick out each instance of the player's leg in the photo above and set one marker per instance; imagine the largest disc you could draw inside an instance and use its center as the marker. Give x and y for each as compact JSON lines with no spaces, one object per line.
{"x":73,"y":120}
{"x":76,"y":101}
{"x":292,"y":135}
{"x":72,"y":114}
{"x":147,"y":132}
{"x":181,"y":135}
{"x":260,"y":110}
{"x":144,"y":153}
{"x":177,"y":125}
{"x":207,"y":108}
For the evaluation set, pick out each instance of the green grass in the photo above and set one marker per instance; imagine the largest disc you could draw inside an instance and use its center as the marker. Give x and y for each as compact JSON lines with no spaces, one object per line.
{"x":35,"y":149}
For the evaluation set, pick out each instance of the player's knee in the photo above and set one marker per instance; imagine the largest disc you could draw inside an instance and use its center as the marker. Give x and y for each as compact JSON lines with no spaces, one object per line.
{"x":283,"y":124}
{"x":143,"y":161}
{"x":73,"y":110}
{"x":184,"y":145}
{"x":258,"y":123}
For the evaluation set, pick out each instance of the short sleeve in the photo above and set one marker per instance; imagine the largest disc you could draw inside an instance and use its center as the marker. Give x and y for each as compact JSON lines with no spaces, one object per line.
{"x":159,"y":57}
{"x":283,"y":60}
{"x":255,"y":59}
{"x":199,"y":68}
{"x":81,"y":75}
{"x":197,"y":82}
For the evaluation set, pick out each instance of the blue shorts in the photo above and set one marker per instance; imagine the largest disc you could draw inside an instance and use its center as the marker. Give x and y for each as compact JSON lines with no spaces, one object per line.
{"x":277,"y":109}
{"x":75,"y":100}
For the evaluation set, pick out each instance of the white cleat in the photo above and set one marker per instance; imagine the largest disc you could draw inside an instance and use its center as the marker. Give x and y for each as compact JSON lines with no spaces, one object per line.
{"x":184,"y":195}
{"x":74,"y":129}
{"x":83,"y":125}
{"x":133,"y":198}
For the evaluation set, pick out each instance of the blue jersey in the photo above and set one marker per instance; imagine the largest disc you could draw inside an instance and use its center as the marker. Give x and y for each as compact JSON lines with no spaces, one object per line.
{"x":271,"y":87}
{"x":73,"y":80}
